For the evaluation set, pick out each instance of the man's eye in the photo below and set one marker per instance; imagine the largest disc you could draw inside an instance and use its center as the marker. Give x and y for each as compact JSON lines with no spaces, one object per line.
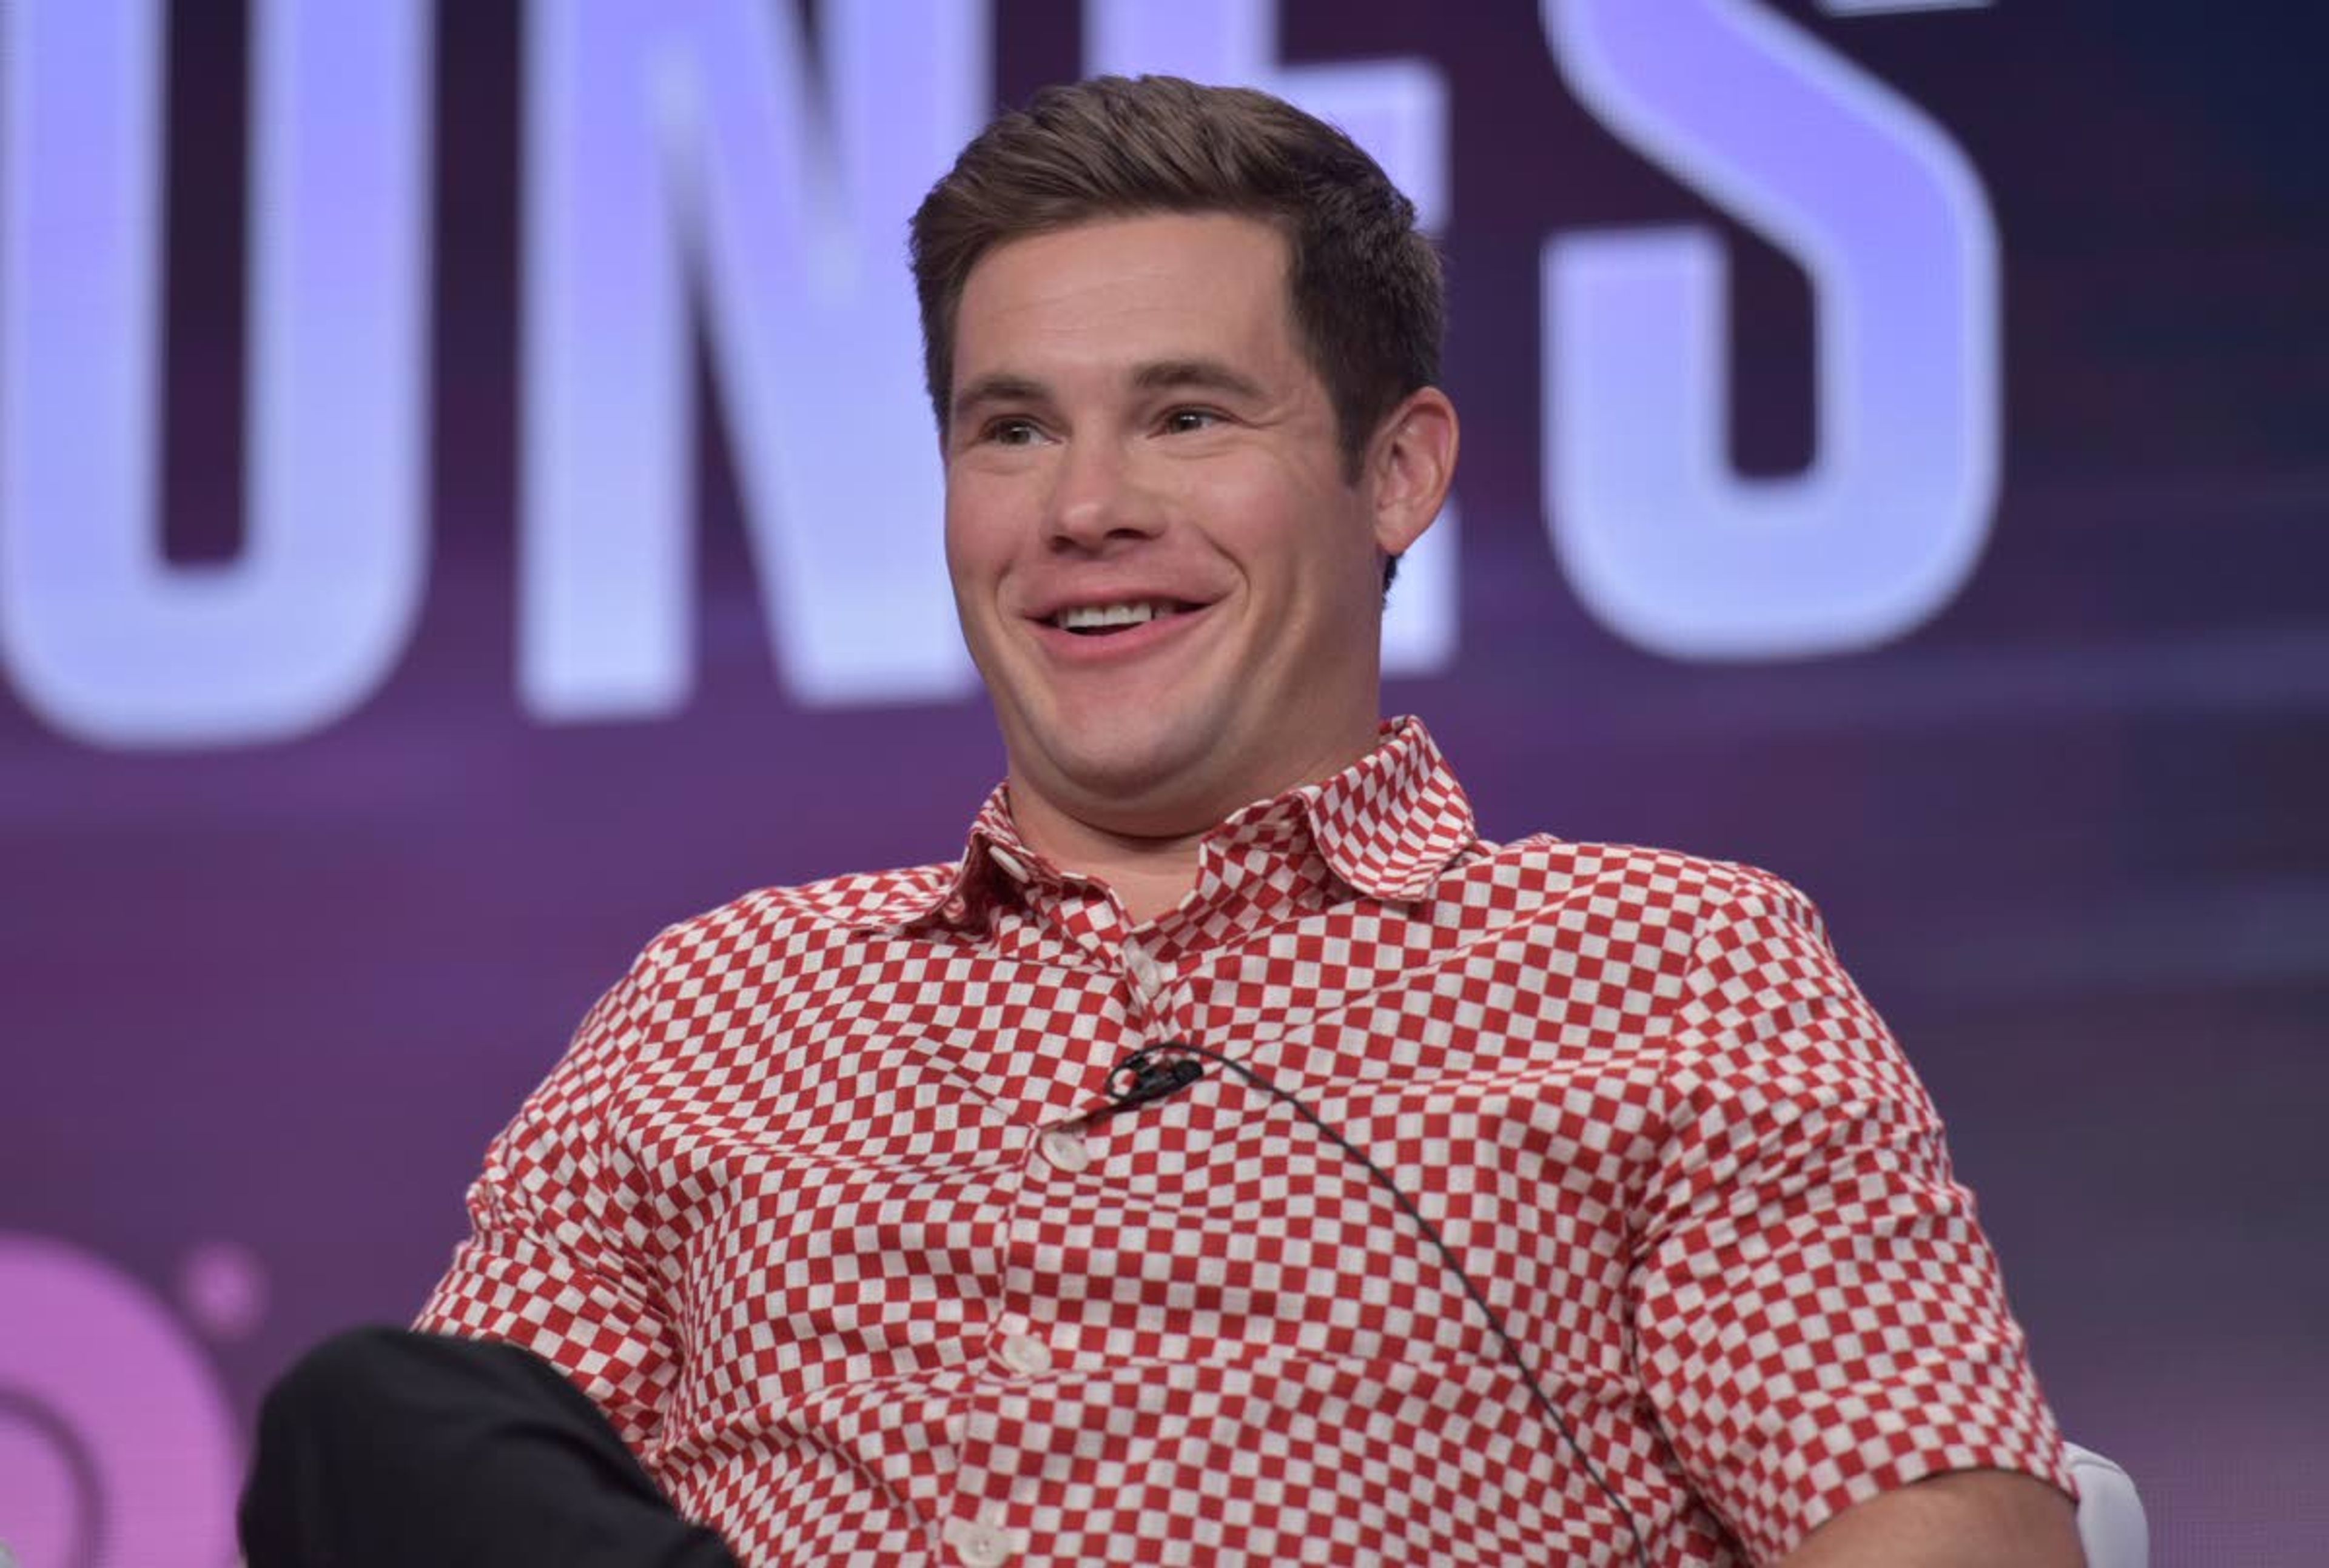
{"x":1181,"y":420}
{"x":1011,"y":432}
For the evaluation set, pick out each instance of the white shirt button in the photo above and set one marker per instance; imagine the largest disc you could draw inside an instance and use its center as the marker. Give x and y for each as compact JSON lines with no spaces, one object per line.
{"x":1025,"y":1355}
{"x":1013,"y":865}
{"x":1065,"y":1149}
{"x":980,"y":1545}
{"x":1148,"y":976}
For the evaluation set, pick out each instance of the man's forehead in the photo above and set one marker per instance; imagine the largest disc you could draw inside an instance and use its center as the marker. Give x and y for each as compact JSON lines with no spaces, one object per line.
{"x":1126,"y":248}
{"x":1154,"y":300}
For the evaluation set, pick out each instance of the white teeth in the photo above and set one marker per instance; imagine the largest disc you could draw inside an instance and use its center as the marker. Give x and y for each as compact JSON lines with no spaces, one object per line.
{"x":1084,"y":618}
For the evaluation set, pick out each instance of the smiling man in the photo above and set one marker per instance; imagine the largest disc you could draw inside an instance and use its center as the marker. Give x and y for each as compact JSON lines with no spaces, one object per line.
{"x":1232,"y":1155}
{"x":1169,"y":561}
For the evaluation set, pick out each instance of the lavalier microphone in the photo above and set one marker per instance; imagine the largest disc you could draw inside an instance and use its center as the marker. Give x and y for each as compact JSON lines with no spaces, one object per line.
{"x":1151,"y":1074}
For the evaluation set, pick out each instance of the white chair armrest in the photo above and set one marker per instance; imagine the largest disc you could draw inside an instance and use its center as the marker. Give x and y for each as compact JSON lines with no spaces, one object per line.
{"x":2111,"y":1526}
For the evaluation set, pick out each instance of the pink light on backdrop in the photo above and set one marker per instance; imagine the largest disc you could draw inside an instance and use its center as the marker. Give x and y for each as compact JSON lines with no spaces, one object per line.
{"x":134,"y":1415}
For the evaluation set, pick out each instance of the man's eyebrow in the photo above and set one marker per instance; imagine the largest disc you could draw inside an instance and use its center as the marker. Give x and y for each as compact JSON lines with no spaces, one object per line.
{"x":1198,"y":375}
{"x":1000,"y":388}
{"x":1156,"y":375}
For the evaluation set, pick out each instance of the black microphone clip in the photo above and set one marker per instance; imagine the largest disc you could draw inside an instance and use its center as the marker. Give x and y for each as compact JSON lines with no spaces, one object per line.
{"x":1153,"y":1075}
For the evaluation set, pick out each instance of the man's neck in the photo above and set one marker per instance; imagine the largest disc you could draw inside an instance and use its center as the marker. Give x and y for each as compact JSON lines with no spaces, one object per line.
{"x":1150,"y":873}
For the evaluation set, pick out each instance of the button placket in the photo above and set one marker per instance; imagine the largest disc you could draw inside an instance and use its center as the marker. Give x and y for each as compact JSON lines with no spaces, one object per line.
{"x":1148,"y":977}
{"x":980,"y":1542}
{"x":1024,"y":1354}
{"x":1065,"y":1149}
{"x":1150,"y":1010}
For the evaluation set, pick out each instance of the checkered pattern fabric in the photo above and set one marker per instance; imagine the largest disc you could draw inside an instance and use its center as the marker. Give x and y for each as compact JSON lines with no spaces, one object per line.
{"x":815,"y":1210}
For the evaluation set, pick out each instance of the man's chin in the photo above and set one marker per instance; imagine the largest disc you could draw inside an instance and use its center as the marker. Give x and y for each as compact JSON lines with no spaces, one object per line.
{"x":1155,"y":786}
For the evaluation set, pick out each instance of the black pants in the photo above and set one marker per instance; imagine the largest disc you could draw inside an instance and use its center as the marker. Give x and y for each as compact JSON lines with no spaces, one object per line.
{"x":384,"y":1447}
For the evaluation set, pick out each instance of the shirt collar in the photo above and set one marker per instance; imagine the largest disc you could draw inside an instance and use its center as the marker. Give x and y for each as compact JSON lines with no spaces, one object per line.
{"x":1388,"y":825}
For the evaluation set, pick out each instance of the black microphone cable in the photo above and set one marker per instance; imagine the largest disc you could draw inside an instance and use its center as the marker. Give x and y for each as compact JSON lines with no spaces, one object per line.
{"x":1158,"y":1071}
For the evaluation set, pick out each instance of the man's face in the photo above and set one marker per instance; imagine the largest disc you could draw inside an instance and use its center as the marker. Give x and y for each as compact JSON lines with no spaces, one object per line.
{"x":1170,"y":588}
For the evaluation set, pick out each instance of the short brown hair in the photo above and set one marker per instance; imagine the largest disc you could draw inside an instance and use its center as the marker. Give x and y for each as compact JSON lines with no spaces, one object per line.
{"x":1365,"y":287}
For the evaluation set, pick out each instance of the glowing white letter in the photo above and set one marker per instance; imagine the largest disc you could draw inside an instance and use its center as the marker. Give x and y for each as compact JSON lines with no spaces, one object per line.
{"x":1666,"y":544}
{"x":663,"y":132}
{"x":104,"y":638}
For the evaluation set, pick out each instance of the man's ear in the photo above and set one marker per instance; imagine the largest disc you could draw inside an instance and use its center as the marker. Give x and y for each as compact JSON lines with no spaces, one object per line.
{"x":1410,"y":465}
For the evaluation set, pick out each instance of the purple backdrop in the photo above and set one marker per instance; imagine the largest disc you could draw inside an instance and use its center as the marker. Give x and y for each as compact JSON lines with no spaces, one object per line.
{"x":266,"y":1002}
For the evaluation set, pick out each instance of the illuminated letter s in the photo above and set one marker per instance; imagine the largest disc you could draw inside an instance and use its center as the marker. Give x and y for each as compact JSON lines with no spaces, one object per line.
{"x":1665,"y":544}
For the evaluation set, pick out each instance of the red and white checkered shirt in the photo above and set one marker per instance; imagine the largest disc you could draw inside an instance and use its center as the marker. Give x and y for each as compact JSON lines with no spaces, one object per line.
{"x":808,"y":1209}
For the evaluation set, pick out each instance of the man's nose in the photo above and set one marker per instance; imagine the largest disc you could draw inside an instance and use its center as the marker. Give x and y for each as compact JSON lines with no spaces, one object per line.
{"x":1100,"y":495}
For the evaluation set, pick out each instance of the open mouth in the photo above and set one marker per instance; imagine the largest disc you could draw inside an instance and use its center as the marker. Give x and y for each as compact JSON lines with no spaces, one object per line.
{"x":1107,"y":620}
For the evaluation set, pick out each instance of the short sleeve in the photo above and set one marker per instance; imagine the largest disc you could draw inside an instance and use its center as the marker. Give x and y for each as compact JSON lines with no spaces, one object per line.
{"x":1819,"y":1317}
{"x":554,"y":1263}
